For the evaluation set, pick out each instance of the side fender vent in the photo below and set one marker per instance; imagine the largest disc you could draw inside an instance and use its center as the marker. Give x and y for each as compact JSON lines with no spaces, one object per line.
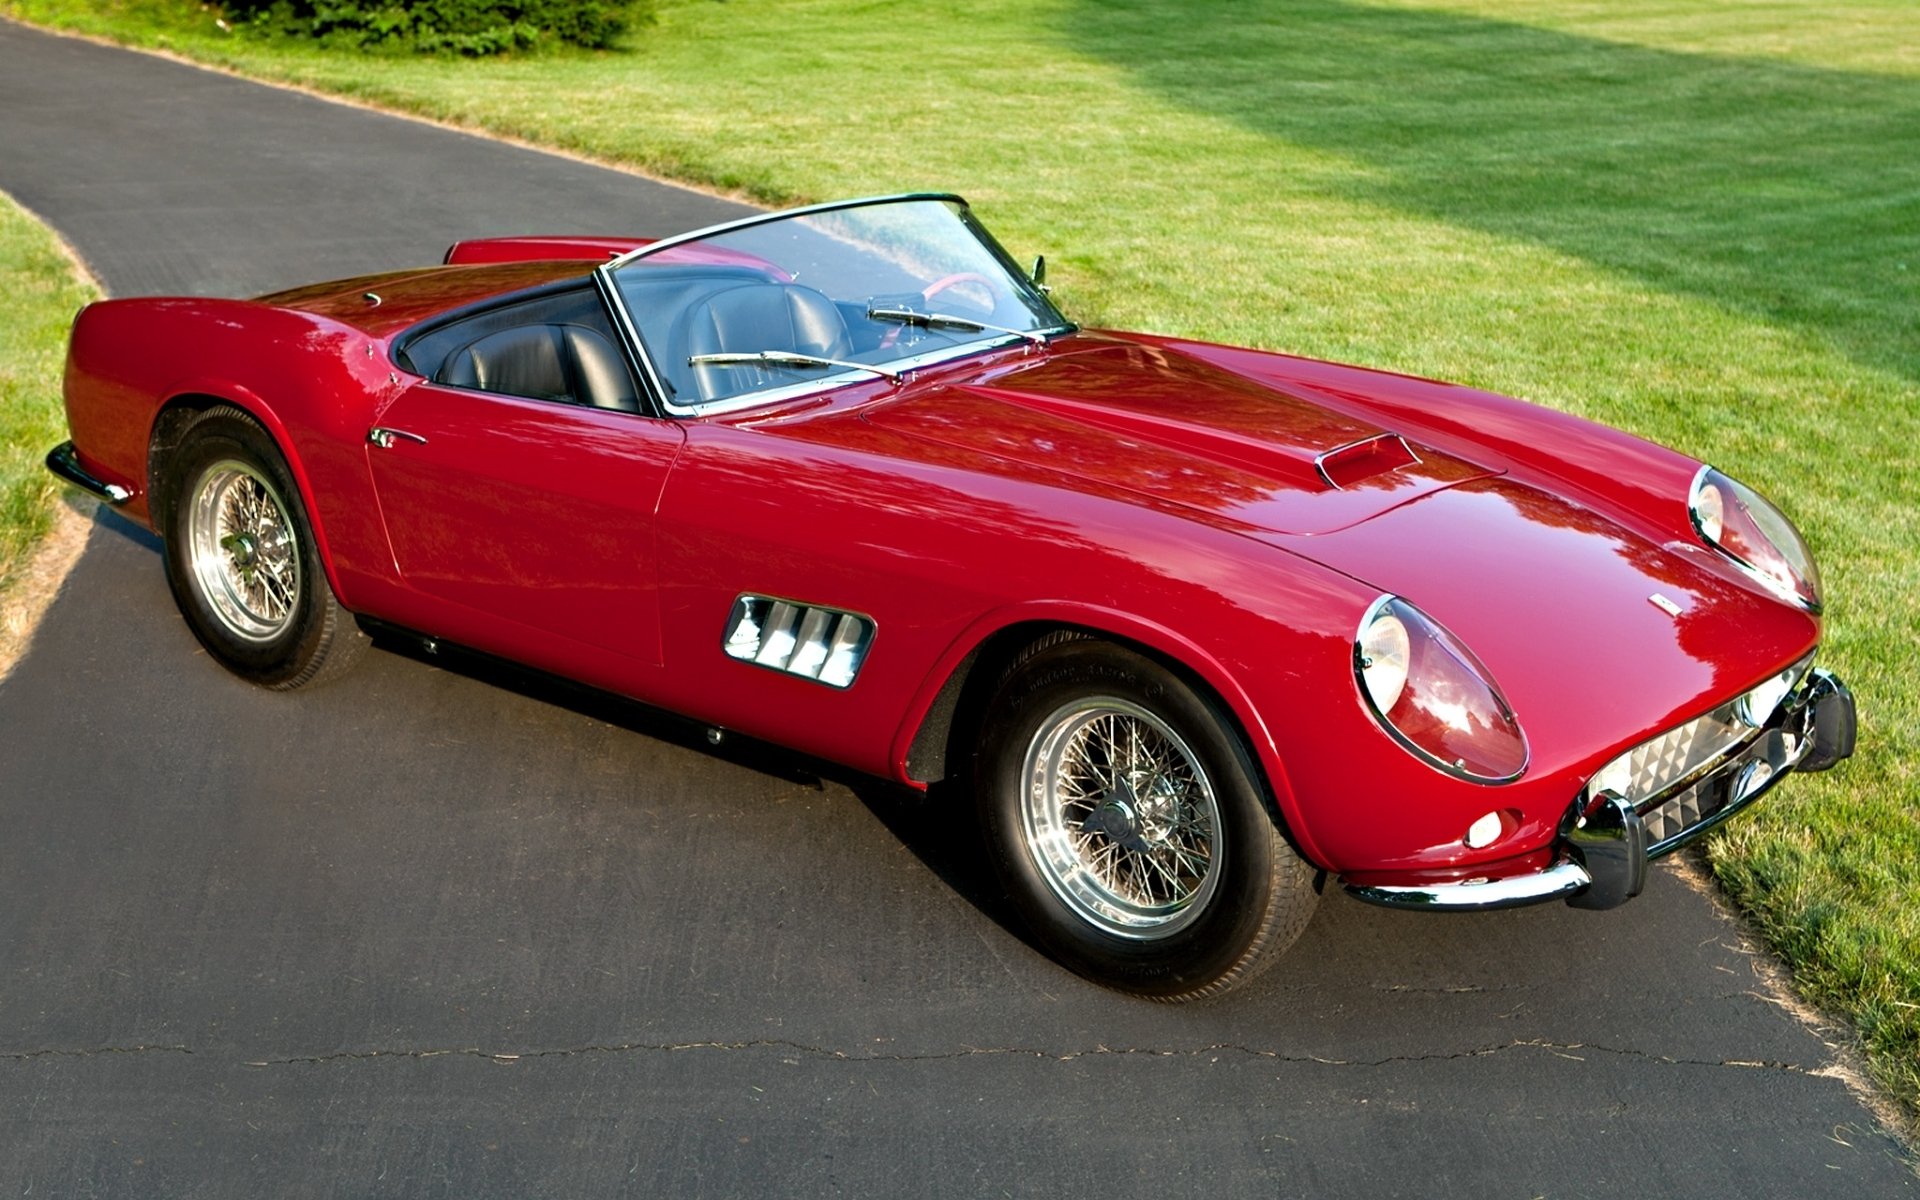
{"x":825,"y":645}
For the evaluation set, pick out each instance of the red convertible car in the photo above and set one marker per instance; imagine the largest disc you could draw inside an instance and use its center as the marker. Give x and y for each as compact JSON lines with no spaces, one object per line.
{"x":1205,"y":627}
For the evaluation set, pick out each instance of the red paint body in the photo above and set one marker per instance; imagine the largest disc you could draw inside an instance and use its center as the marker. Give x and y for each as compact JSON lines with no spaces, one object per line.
{"x":1160,"y":491}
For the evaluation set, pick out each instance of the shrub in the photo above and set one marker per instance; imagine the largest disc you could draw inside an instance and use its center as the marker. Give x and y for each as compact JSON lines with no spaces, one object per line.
{"x":471,"y":27}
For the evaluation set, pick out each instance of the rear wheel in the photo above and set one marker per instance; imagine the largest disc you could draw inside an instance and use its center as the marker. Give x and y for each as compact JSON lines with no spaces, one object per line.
{"x":241,"y":558}
{"x":1125,"y":820}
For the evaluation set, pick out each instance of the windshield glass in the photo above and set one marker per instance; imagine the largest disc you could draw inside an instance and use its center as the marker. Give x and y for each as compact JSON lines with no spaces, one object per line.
{"x":841,"y":294}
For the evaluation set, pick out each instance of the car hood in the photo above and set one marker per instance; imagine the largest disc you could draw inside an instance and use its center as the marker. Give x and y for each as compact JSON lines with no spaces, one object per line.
{"x":1554,"y":592}
{"x":1588,"y":625}
{"x":1168,"y":427}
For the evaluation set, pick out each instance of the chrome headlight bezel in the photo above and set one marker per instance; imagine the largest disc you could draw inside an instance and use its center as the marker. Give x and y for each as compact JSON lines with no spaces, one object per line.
{"x":1437,"y":674}
{"x":1747,"y":530}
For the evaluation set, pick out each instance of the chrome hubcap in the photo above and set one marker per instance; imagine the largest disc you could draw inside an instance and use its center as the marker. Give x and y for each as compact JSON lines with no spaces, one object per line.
{"x":1121,"y":818}
{"x":242,"y":551}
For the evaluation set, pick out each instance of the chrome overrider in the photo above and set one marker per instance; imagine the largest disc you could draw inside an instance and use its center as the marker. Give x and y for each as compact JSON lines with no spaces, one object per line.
{"x":1602,"y":850}
{"x":64,"y":461}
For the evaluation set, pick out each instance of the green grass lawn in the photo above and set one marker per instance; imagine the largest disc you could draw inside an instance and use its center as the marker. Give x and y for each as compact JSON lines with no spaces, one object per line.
{"x":39,"y":293}
{"x":1696,"y":219}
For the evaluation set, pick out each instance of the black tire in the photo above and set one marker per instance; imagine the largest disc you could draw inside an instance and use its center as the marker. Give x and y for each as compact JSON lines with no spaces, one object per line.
{"x":241,"y":558}
{"x":1101,"y":776}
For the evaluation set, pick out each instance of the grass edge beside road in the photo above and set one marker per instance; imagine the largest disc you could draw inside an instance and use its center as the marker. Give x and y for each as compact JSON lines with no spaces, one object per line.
{"x":42,"y":284}
{"x":1639,"y":332}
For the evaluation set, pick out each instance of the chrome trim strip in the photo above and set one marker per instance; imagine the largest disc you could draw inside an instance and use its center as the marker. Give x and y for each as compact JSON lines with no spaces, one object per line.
{"x":629,"y":339}
{"x":636,"y":349}
{"x":64,"y":461}
{"x":1565,"y":878}
{"x":771,"y":397}
{"x":847,"y":651}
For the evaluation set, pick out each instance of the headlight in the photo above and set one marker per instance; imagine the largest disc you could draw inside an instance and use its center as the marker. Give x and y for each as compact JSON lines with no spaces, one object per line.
{"x":1433,"y":696}
{"x":1755,"y":536}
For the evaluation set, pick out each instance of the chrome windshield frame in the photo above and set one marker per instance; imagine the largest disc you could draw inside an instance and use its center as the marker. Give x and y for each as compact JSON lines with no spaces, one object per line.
{"x":738,"y":223}
{"x":637,"y":349}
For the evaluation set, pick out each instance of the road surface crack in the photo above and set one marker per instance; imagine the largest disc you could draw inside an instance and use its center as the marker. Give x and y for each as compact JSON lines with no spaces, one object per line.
{"x":1575,"y":1051}
{"x":89,"y":1051}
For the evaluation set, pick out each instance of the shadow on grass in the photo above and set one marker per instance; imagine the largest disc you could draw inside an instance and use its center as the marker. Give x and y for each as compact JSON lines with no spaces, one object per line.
{"x":1785,"y":192}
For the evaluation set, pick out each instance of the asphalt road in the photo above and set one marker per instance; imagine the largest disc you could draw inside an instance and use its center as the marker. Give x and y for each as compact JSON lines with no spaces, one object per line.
{"x":431,"y":932}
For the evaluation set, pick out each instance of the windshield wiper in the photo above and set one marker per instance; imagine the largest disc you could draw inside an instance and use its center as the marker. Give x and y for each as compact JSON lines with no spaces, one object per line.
{"x":907,"y":316}
{"x":786,"y":358}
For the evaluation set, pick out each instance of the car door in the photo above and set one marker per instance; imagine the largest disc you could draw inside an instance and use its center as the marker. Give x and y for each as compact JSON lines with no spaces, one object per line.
{"x":534,"y":515}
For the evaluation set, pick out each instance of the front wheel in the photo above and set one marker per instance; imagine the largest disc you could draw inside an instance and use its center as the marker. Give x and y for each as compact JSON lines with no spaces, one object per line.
{"x":242,"y":562}
{"x":1124,"y":818}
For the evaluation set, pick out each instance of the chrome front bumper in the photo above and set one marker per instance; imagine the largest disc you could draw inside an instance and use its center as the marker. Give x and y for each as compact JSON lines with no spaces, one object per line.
{"x":1602,"y":851}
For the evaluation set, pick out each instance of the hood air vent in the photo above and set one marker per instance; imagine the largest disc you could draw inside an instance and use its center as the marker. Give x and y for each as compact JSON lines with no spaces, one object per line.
{"x":821,"y":644}
{"x":1344,"y":466}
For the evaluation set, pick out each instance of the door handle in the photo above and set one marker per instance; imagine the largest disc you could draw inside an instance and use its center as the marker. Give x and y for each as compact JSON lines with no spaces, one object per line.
{"x":384,"y":438}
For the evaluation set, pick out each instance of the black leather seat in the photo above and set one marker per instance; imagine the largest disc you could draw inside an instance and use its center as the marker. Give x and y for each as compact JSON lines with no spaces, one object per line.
{"x":569,"y":363}
{"x":600,"y":373}
{"x":749,"y":318}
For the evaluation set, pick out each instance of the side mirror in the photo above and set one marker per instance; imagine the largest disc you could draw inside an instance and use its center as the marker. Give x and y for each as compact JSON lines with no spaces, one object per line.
{"x":1039,"y":273}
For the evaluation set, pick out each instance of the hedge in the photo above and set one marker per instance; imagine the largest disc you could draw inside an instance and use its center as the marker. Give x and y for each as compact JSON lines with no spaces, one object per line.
{"x":470,"y":27}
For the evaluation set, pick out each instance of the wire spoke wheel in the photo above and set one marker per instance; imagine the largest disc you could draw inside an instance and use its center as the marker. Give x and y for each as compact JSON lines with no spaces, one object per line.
{"x":1121,"y":818}
{"x":242,"y":557}
{"x":1127,"y":823}
{"x":243,"y":551}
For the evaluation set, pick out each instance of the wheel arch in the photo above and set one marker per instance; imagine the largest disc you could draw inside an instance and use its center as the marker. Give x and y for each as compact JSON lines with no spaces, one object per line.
{"x":946,"y":715}
{"x":176,"y":415}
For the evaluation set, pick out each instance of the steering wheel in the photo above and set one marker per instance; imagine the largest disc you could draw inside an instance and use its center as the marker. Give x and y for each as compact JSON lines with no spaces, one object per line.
{"x":958,"y":279}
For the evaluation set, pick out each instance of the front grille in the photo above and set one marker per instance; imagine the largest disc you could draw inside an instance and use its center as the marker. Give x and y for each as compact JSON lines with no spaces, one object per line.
{"x":1657,"y":764}
{"x":1689,"y":775}
{"x":1682,"y":812}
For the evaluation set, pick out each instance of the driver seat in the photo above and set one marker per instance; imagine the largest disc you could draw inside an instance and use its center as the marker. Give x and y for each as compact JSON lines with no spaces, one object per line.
{"x":749,"y":318}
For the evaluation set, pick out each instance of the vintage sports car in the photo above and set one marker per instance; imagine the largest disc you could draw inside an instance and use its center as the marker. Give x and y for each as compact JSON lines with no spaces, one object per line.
{"x":1205,"y":627}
